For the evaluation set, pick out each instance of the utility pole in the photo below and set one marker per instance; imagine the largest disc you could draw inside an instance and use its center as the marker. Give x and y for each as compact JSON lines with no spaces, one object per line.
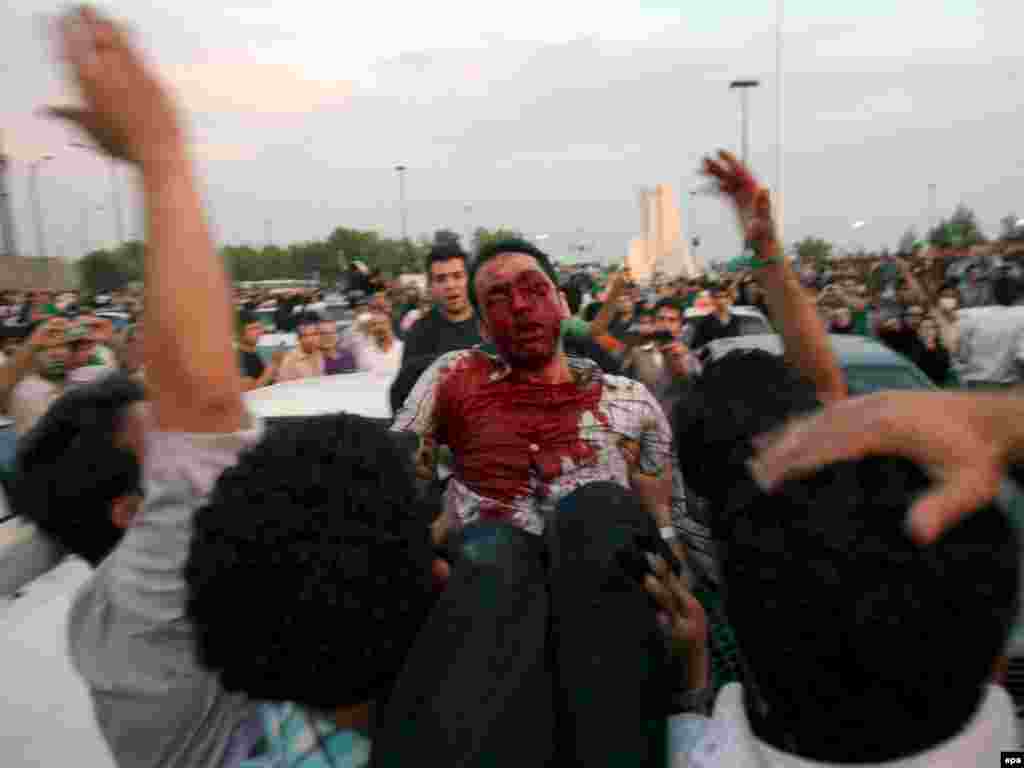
{"x":744,"y":86}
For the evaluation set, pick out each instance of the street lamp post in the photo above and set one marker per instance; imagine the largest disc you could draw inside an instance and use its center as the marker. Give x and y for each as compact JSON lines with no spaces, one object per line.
{"x":86,"y":243}
{"x":37,"y":208}
{"x":400,"y":170}
{"x":468,"y":210}
{"x":744,"y":86}
{"x":932,"y":223}
{"x":115,"y":191}
{"x":580,"y":246}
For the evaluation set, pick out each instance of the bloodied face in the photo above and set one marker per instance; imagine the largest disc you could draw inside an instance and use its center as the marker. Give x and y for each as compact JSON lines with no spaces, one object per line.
{"x":522,"y":310}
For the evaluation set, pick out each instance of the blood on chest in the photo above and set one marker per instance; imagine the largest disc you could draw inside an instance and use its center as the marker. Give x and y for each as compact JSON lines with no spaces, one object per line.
{"x":500,"y":432}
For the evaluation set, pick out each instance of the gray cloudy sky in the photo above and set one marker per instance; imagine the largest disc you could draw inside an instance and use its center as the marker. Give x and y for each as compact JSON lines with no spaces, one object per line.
{"x":547,"y":116}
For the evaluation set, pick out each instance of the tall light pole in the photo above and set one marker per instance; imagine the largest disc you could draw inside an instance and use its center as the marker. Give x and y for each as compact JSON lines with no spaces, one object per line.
{"x":467,"y":208}
{"x":400,"y":170}
{"x":37,"y":208}
{"x":694,"y":237}
{"x":86,"y":210}
{"x":10,"y":248}
{"x":932,"y":223}
{"x":777,"y":201}
{"x":744,"y":86}
{"x":115,"y":190}
{"x":580,"y":246}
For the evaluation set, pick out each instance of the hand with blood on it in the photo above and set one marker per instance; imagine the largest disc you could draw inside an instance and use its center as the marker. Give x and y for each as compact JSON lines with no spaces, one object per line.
{"x":682,"y":618}
{"x":751,"y":201}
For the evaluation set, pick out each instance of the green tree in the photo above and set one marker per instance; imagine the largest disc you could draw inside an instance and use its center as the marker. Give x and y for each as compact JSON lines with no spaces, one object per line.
{"x":960,"y":230}
{"x":482,"y":236}
{"x":108,"y":270}
{"x":814,"y":250}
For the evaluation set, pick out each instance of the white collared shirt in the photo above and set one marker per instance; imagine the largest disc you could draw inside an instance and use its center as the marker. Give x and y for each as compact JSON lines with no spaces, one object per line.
{"x":726,"y":740}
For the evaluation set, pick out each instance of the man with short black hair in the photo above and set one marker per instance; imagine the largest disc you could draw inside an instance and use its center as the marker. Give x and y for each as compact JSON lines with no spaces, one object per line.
{"x":255,"y":373}
{"x":529,"y":424}
{"x":306,"y":360}
{"x":453,"y":323}
{"x":719,"y":324}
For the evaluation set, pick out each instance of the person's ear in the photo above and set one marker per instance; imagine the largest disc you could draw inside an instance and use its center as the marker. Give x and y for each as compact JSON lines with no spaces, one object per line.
{"x":123,"y":510}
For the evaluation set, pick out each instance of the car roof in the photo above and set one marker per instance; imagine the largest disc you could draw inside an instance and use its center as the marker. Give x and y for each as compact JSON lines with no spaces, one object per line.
{"x":740,"y":311}
{"x":362,"y":393}
{"x":851,"y":349}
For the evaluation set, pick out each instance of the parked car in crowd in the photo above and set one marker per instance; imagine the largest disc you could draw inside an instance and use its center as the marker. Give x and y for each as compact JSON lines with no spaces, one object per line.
{"x":752,"y":321}
{"x":869,"y":365}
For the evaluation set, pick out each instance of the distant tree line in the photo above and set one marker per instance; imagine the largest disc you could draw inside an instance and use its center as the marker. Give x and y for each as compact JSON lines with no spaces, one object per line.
{"x":106,"y":270}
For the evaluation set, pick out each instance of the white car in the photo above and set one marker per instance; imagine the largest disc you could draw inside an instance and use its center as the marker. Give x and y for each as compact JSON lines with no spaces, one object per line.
{"x":752,"y":321}
{"x":46,"y":717}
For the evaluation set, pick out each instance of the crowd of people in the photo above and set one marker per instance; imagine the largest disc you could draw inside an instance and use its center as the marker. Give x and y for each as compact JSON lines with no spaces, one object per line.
{"x":516,"y":569}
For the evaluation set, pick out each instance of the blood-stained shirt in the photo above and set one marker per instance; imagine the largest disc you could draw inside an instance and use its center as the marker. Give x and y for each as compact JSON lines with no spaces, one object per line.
{"x":520,"y":447}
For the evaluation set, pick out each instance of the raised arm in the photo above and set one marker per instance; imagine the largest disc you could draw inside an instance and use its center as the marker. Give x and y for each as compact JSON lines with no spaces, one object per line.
{"x":600,"y":324}
{"x":191,"y":368}
{"x":47,"y":334}
{"x":794,"y":314}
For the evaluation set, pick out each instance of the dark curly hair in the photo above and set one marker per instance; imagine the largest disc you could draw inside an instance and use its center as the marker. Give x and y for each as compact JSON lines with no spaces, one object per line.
{"x":309,"y":568}
{"x":837,"y":612}
{"x":69,"y":468}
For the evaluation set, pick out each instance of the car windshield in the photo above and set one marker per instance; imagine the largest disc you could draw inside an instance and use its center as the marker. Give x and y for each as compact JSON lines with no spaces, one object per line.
{"x":337,"y":313}
{"x":863,"y":380}
{"x":751,"y":325}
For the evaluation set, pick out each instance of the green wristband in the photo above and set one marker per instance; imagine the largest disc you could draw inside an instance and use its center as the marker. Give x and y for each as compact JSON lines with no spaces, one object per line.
{"x":752,"y":260}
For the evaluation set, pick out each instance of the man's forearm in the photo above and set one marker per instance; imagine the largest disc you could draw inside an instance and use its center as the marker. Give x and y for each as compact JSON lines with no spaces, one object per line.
{"x":190,"y":361}
{"x":14,"y":371}
{"x":804,"y":338}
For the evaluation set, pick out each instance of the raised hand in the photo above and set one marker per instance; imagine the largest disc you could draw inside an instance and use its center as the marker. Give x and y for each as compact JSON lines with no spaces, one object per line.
{"x":750,"y":200}
{"x":682,"y":618}
{"x":127,"y":110}
{"x":963,"y":441}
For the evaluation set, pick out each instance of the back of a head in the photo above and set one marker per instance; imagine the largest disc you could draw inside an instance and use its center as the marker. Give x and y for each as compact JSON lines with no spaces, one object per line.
{"x":321,"y":521}
{"x":70,"y":467}
{"x":863,"y":646}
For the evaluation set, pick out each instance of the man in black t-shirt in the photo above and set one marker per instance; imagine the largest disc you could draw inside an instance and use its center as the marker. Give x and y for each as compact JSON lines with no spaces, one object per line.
{"x":720,"y":324}
{"x":255,"y":373}
{"x":452,"y":324}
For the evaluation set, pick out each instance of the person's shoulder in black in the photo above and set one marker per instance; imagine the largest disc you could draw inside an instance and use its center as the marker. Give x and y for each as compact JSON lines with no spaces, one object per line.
{"x":576,"y":346}
{"x":436,"y":335}
{"x":420,"y":339}
{"x":934,"y":362}
{"x":250,"y":364}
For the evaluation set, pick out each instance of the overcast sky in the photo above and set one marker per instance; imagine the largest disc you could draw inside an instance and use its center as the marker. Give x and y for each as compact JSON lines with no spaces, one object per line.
{"x":546,"y":116}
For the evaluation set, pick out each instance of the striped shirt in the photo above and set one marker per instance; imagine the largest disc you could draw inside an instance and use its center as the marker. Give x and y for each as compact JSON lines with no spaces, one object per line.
{"x":518,"y":447}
